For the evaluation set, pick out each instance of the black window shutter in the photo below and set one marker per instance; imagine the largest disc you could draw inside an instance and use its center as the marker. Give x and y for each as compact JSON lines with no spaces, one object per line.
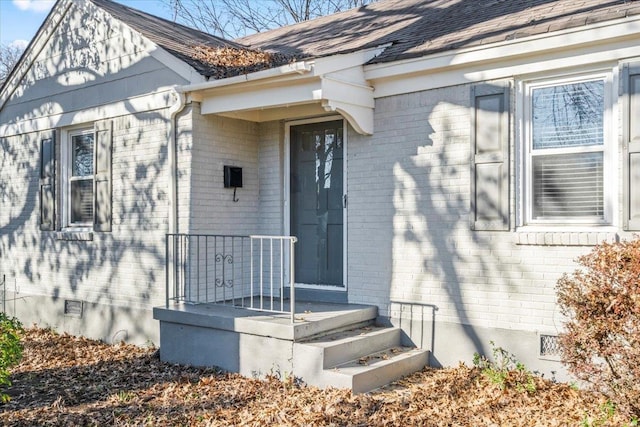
{"x":47,"y":181}
{"x":102,"y":164}
{"x":490,"y":157}
{"x":631,"y":150}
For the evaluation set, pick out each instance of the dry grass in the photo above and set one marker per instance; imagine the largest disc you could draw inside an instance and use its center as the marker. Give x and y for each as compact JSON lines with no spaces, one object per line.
{"x":66,"y":380}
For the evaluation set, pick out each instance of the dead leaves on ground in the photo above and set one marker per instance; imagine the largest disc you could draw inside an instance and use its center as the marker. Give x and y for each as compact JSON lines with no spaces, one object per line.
{"x":65,"y":380}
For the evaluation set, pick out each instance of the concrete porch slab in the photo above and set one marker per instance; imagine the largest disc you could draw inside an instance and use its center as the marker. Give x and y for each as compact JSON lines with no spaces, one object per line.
{"x":324,"y":346}
{"x":312,"y":318}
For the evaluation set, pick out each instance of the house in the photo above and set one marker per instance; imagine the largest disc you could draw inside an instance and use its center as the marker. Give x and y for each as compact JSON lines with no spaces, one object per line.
{"x":439,"y":165}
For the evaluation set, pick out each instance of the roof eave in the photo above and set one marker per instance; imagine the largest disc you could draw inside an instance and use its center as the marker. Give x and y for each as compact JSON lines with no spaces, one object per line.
{"x":329,"y":84}
{"x":568,"y":39}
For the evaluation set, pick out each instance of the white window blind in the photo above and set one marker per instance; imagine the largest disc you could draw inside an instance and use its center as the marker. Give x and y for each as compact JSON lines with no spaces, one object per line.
{"x":568,"y":185}
{"x":567,"y":151}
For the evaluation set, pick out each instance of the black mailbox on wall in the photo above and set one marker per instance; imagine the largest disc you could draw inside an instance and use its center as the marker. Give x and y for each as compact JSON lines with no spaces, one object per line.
{"x":232,"y":177}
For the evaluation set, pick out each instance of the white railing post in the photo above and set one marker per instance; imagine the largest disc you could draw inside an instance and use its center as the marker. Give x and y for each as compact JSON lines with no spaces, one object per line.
{"x":167,"y":264}
{"x":292,"y":289}
{"x":251,"y":269}
{"x":184,"y":274}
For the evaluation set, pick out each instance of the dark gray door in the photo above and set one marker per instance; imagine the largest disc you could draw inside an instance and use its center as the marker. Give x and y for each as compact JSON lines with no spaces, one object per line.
{"x":317,"y":202}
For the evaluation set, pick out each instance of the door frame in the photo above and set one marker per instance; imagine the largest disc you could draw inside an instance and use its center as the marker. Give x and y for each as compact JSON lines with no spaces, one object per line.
{"x":287,"y":192}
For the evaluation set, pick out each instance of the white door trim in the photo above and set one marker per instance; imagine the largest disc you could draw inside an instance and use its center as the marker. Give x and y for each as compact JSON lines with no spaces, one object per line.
{"x":287,"y":194}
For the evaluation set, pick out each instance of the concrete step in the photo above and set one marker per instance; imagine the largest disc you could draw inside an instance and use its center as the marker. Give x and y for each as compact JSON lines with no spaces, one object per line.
{"x":378,"y":369}
{"x":321,"y":319}
{"x":341,"y":347}
{"x":327,"y":345}
{"x":360,"y":359}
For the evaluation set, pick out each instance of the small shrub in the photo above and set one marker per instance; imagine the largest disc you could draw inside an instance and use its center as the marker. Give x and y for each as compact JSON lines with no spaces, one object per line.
{"x":505,"y":370}
{"x":10,"y":349}
{"x":601,"y":342}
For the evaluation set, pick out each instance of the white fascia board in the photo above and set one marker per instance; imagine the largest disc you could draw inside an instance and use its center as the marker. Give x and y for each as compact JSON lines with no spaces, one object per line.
{"x":315,"y":67}
{"x":39,"y":42}
{"x":181,"y":68}
{"x":161,"y":99}
{"x":498,"y":55}
{"x":260,"y":98}
{"x":200,"y":89}
{"x":336,"y":63}
{"x":576,"y":59}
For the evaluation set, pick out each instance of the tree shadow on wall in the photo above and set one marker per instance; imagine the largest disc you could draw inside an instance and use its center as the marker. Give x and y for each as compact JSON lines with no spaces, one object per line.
{"x":124,"y":267}
{"x":442,"y":271}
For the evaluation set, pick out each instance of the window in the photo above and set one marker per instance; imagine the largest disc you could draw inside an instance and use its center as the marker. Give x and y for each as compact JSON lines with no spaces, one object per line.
{"x":79,"y":191}
{"x":567,"y":151}
{"x":84,"y":184}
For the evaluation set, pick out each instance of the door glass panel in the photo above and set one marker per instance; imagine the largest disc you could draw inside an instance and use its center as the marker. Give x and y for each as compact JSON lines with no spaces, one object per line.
{"x":316,"y":202}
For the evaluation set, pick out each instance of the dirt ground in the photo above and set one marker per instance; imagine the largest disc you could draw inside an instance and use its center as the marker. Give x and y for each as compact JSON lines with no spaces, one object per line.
{"x":70,"y":381}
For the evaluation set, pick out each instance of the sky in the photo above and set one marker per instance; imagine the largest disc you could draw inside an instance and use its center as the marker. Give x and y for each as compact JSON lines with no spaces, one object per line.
{"x":20,"y":19}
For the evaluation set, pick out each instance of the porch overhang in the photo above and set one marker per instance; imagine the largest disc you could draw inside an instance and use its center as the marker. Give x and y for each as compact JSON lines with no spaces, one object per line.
{"x":296,"y":90}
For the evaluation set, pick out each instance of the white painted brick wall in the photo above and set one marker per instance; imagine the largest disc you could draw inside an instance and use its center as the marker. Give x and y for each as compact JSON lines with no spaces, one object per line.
{"x":124,"y":267}
{"x":409,"y":236}
{"x":219,"y":141}
{"x":271,"y":173}
{"x":84,"y":71}
{"x":205,"y":205}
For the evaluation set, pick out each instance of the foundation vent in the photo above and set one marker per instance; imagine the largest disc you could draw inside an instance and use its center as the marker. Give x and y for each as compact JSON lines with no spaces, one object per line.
{"x":73,"y":308}
{"x":549,"y":346}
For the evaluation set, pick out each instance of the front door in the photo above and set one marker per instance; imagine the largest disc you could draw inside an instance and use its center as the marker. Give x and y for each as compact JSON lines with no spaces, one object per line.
{"x":317,"y":203}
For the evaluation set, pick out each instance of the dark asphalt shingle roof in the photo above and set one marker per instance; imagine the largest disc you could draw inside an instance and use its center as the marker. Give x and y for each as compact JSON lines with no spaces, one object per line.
{"x":420,"y":27}
{"x":410,"y":28}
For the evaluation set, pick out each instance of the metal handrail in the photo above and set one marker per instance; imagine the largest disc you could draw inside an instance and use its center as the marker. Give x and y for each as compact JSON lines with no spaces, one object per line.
{"x":239,"y":270}
{"x":292,"y":295}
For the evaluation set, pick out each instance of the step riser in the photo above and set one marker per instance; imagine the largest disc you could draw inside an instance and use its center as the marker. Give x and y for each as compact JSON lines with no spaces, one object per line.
{"x":372,"y":379}
{"x":303,"y":331}
{"x":361,"y":346}
{"x":363,"y":324}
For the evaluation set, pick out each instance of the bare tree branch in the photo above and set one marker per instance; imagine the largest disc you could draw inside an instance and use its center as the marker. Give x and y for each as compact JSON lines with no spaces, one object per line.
{"x":237,"y":18}
{"x":9,"y":56}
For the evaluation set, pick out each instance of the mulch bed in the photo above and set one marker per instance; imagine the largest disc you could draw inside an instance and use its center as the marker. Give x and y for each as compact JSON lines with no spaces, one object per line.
{"x":67,"y":380}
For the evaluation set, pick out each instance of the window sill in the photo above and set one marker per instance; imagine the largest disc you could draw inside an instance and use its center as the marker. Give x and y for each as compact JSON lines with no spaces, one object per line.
{"x":578,"y":237}
{"x":83,"y":236}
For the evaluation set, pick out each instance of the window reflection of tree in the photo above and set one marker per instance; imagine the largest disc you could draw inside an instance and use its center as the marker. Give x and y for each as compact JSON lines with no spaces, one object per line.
{"x":82,"y":155}
{"x":568,"y":115}
{"x":324,"y":158}
{"x":81,"y":186}
{"x":327,"y":145}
